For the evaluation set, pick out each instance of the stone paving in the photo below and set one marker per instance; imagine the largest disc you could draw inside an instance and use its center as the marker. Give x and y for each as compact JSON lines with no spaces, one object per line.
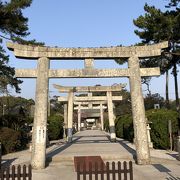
{"x":96,"y":143}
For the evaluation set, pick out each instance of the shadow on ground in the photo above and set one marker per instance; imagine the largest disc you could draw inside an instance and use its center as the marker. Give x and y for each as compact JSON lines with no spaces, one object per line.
{"x":129,"y":149}
{"x":175,"y":155}
{"x":59,"y":149}
{"x":163,"y":169}
{"x":7,"y":162}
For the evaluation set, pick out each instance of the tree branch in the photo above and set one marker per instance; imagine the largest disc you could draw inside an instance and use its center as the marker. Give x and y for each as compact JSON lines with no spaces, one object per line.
{"x":4,"y":37}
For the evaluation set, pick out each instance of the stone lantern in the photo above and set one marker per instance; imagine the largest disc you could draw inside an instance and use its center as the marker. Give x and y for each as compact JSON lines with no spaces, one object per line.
{"x":148,"y":133}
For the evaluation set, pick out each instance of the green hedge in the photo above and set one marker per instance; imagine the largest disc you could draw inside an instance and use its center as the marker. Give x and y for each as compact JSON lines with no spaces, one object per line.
{"x":124,"y":127}
{"x":159,"y":127}
{"x":55,"y":127}
{"x":10,"y":140}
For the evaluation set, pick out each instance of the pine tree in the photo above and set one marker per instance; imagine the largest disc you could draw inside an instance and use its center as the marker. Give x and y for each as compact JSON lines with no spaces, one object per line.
{"x":14,"y":27}
{"x":156,"y":26}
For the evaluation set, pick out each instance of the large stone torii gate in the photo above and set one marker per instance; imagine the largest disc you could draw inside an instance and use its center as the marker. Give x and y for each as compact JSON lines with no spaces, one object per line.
{"x":90,"y":89}
{"x":43,"y":73}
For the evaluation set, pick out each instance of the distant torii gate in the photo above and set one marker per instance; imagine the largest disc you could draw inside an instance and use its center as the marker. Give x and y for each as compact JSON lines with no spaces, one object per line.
{"x":100,"y":107}
{"x":109,"y":98}
{"x":78,"y":108}
{"x":100,"y":103}
{"x":43,"y":73}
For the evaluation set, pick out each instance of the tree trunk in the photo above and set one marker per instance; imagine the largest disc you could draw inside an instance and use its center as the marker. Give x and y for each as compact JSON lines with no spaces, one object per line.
{"x":177,"y":94}
{"x":167,"y":90}
{"x":176,"y":86}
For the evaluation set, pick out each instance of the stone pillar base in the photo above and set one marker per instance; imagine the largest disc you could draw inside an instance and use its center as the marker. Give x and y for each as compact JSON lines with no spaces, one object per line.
{"x":113,"y":139}
{"x":64,"y":132}
{"x":112,"y":134}
{"x":150,"y":145}
{"x":30,"y":147}
{"x":69,"y":135}
{"x":143,"y":161}
{"x":69,"y":139}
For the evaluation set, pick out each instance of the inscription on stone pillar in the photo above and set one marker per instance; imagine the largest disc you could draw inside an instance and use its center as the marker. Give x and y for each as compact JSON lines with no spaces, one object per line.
{"x":41,"y":134}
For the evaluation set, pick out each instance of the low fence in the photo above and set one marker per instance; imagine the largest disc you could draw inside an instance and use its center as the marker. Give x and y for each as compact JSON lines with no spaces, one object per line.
{"x":97,"y":171}
{"x":14,"y":172}
{"x":19,"y":172}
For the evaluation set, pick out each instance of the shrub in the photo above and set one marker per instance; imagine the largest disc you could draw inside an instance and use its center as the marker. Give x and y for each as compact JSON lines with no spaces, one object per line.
{"x":10,"y":140}
{"x":124,"y":127}
{"x":55,"y":127}
{"x":159,"y":127}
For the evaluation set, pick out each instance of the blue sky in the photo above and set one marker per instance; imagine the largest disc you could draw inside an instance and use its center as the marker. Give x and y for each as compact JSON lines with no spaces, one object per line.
{"x":84,"y":23}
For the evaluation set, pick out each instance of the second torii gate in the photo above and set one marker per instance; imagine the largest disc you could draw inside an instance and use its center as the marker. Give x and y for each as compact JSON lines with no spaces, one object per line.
{"x":109,"y":98}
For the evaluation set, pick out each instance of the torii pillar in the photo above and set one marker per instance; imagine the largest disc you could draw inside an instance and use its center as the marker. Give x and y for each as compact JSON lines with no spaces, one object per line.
{"x":70,"y":116}
{"x":102,"y":116}
{"x":139,"y":120}
{"x":38,"y":156}
{"x":65,"y":120}
{"x":111,"y":116}
{"x":79,"y":117}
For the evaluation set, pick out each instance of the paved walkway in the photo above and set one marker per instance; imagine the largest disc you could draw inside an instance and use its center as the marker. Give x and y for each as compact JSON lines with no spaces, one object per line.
{"x":91,"y":143}
{"x":96,"y":143}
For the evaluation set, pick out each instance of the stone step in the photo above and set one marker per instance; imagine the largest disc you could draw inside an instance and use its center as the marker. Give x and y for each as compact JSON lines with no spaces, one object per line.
{"x":70,"y":162}
{"x":70,"y":158}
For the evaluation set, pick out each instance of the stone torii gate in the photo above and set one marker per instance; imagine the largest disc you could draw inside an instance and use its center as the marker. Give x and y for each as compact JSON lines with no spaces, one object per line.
{"x":43,"y":73}
{"x":99,"y":107}
{"x":100,"y":103}
{"x":88,"y":100}
{"x":100,"y":99}
{"x":109,"y":98}
{"x":78,"y":107}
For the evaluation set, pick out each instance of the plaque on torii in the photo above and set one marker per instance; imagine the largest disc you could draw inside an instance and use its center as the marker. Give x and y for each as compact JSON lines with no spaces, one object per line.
{"x":43,"y":73}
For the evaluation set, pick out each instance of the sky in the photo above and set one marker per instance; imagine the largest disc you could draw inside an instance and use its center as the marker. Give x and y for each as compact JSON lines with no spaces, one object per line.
{"x":85,"y":23}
